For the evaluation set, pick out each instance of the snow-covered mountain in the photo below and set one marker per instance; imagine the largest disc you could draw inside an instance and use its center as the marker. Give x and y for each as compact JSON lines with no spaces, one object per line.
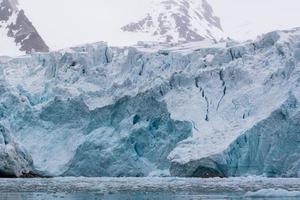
{"x":178,"y":21}
{"x":230,"y":109}
{"x":17,"y":34}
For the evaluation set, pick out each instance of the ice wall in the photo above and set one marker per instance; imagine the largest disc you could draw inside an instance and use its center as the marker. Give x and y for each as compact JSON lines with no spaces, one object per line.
{"x":14,"y":159}
{"x":270,"y":148}
{"x":96,"y":110}
{"x":132,"y":137}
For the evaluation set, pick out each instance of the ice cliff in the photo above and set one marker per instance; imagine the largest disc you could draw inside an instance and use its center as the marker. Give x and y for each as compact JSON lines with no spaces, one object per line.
{"x":14,"y":160}
{"x":198,"y":109}
{"x":270,"y":148}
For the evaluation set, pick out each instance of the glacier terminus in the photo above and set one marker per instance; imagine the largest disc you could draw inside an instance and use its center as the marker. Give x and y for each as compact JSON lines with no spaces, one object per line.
{"x":200,"y":109}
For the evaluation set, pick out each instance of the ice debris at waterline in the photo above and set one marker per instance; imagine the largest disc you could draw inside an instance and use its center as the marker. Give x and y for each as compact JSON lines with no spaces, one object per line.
{"x":110,"y":185}
{"x":197,"y":110}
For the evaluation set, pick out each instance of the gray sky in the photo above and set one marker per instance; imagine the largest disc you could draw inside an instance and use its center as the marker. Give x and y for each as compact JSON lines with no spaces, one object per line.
{"x":243,"y":19}
{"x":64,"y":23}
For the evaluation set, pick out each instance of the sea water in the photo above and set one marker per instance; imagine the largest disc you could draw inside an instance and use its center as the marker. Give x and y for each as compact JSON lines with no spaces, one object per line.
{"x":149,"y":188}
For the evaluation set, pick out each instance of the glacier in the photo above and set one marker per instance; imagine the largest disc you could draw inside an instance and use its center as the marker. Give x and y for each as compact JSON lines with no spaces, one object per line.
{"x":270,"y":148}
{"x":196,"y":110}
{"x":14,"y":159}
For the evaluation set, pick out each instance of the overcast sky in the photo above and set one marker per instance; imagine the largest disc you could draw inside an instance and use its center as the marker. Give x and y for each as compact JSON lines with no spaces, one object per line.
{"x":64,"y":23}
{"x":243,"y":19}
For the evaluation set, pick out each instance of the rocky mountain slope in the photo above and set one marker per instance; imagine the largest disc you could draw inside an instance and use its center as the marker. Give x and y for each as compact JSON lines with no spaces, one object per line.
{"x":228,"y":109}
{"x":178,"y":21}
{"x":17,"y":32}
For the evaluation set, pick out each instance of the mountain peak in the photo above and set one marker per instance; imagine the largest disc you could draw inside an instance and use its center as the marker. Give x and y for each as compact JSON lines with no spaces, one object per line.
{"x":178,"y":21}
{"x":17,"y":29}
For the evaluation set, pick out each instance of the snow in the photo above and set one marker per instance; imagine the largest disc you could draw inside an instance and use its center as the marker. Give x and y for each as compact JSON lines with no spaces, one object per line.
{"x":185,"y":48}
{"x":8,"y":45}
{"x":177,"y":21}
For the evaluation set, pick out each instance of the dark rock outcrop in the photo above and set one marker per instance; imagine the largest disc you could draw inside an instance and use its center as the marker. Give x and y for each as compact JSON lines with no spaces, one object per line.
{"x":19,"y":27}
{"x":178,"y":21}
